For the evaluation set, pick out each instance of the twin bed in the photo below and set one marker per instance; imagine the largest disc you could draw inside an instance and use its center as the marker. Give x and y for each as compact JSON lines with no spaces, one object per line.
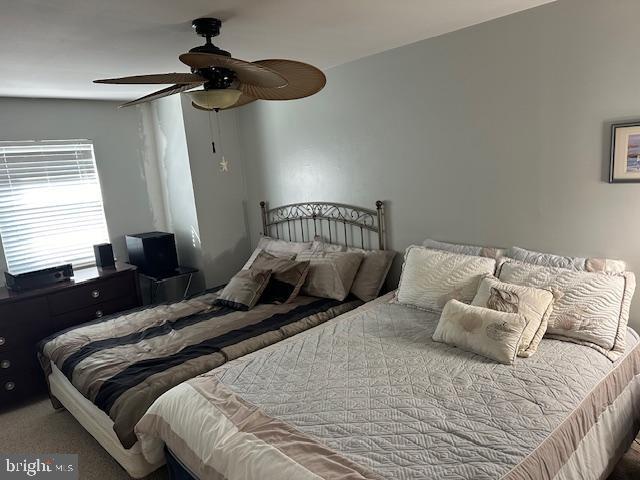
{"x":331,"y":389}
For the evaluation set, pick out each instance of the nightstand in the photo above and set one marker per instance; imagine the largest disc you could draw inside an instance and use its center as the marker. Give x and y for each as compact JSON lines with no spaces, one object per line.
{"x":171,"y":287}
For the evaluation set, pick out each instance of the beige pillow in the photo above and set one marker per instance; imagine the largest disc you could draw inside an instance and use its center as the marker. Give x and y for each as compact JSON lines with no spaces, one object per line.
{"x":244,"y":289}
{"x":331,"y":274}
{"x":534,"y":304}
{"x":287,"y":277}
{"x":430,"y":278}
{"x":591,"y":308}
{"x":372,"y":272}
{"x":487,"y":332}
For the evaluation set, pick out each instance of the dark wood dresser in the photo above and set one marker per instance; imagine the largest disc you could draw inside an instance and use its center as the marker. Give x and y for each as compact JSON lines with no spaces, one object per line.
{"x":28,"y":317}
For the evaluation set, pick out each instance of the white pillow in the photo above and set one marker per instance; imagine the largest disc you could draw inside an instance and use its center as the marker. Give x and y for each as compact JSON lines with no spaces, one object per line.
{"x":535,"y":305}
{"x":430,"y":278}
{"x":561,"y":261}
{"x":277,"y":248}
{"x":493,"y":334}
{"x":591,"y":308}
{"x":490,"y":252}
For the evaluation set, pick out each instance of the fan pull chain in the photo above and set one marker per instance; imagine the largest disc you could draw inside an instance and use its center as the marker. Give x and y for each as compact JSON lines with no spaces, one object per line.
{"x":213,"y":143}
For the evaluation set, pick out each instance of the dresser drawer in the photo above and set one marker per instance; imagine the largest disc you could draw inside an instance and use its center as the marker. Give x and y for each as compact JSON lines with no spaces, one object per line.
{"x":20,"y":376}
{"x":23,"y":322}
{"x":92,"y":294}
{"x":94,"y":312}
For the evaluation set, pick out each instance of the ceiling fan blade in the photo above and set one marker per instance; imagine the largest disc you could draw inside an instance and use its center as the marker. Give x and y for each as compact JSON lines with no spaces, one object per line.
{"x":243,"y":100}
{"x":174,"y":78}
{"x":165,"y":92}
{"x":304,"y":80}
{"x":247,"y":72}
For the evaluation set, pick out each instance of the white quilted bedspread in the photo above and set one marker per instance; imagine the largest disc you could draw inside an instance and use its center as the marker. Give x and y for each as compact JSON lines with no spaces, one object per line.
{"x":376,"y":388}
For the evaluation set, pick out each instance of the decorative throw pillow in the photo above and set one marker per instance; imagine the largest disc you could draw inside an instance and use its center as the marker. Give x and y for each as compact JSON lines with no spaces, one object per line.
{"x":287,"y":277}
{"x":430,"y":278}
{"x":278,"y":248}
{"x":560,"y":261}
{"x":372,"y":272}
{"x":489,"y":252}
{"x":244,"y":289}
{"x":591,"y":308}
{"x":480,"y":330}
{"x":331,"y":274}
{"x":534,"y":304}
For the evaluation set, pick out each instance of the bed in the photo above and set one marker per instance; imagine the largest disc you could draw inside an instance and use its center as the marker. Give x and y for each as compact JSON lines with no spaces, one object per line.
{"x":387,"y":402}
{"x":108,"y":372}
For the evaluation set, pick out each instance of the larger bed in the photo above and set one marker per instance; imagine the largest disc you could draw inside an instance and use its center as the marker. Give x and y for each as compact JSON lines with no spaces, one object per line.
{"x":107,"y":373}
{"x":484,"y":364}
{"x":370,"y":395}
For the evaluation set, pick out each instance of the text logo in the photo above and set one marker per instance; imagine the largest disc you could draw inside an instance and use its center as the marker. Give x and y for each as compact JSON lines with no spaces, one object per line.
{"x":54,"y":466}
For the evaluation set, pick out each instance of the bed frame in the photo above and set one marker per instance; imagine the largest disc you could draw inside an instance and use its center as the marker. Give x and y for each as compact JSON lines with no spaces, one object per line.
{"x":296,"y":221}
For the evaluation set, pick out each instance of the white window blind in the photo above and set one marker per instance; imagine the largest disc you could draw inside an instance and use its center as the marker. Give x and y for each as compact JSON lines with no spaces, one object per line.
{"x":50,"y":204}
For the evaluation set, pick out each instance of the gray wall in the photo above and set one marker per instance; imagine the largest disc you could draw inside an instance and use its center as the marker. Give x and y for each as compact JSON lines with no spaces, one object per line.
{"x":119,"y":149}
{"x":204,"y":206}
{"x":164,"y":126}
{"x":219,"y":196}
{"x":493,"y":135}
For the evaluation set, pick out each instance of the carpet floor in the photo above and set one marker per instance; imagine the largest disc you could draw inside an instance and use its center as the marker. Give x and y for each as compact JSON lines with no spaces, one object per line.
{"x":38,"y":428}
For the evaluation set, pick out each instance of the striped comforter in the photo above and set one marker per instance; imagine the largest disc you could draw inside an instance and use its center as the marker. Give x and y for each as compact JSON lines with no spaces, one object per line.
{"x":125,"y":362}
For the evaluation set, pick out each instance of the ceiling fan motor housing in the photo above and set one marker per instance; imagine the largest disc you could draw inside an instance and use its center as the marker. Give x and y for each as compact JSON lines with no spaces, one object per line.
{"x":207,"y":26}
{"x":217,"y":78}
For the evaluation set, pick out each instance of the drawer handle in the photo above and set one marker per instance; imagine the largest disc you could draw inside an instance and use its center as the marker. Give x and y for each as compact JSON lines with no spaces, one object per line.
{"x":9,"y":386}
{"x":99,"y":313}
{"x":95,"y":293}
{"x":2,"y":340}
{"x":5,"y":364}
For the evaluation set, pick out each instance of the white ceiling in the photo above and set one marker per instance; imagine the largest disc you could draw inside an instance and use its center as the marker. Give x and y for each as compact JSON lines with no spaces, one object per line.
{"x":55,"y":48}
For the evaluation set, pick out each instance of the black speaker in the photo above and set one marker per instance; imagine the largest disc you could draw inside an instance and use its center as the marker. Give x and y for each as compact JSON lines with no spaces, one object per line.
{"x":104,"y":255}
{"x":154,"y":253}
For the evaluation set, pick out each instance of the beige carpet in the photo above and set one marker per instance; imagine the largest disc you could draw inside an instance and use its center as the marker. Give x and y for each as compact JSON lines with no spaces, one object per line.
{"x":38,"y":428}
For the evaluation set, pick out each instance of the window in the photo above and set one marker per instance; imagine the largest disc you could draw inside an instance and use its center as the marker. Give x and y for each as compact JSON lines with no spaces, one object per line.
{"x":50,"y":204}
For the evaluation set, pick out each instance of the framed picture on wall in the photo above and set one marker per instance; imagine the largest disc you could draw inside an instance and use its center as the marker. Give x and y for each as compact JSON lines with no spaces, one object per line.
{"x":625,"y":153}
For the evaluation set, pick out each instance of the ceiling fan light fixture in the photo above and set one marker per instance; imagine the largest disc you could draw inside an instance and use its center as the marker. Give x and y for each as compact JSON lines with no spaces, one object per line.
{"x":212,"y":99}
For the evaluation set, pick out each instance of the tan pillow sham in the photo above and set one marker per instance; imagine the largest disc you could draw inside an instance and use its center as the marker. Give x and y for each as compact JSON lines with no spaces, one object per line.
{"x":372,"y":272}
{"x":331,"y":274}
{"x":534,"y":304}
{"x":278,"y":248}
{"x":487,"y":332}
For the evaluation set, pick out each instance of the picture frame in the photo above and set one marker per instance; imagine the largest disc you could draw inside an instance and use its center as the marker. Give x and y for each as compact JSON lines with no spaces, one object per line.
{"x":624,"y":166}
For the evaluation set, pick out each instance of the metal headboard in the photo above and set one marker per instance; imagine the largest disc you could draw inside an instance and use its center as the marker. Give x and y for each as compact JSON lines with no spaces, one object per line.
{"x":291,"y":222}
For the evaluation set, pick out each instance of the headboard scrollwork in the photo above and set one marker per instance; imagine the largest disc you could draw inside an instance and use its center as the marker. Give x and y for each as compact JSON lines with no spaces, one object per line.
{"x":335,"y":222}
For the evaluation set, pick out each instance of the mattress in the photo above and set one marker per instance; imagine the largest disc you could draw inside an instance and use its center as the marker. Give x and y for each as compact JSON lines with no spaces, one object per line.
{"x":370,"y":395}
{"x":100,"y":426}
{"x":123,"y":363}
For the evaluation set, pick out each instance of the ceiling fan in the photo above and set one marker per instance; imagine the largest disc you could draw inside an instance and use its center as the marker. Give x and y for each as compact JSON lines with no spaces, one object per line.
{"x":228,"y":82}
